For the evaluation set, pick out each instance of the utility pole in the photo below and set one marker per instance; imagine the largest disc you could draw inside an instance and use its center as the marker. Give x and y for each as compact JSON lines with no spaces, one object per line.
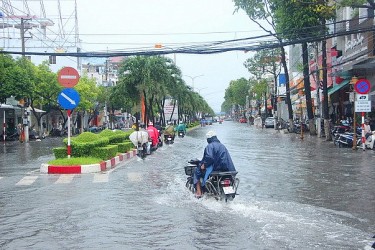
{"x":318,"y":90}
{"x":23,"y":30}
{"x":26,"y":122}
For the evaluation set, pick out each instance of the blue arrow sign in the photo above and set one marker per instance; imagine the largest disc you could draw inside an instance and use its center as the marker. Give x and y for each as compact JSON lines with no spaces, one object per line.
{"x":68,"y":98}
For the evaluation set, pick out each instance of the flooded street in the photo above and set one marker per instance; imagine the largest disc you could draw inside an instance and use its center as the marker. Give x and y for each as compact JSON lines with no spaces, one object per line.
{"x":293,"y":194}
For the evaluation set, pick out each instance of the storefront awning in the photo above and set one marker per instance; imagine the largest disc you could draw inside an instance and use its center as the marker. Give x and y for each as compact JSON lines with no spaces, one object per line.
{"x":337,"y":87}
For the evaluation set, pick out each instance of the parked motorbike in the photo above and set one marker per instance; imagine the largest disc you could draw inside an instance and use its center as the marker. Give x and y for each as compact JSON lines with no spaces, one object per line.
{"x":337,"y":131}
{"x":369,"y":142}
{"x":181,"y":134}
{"x":297,"y":127}
{"x":220,"y":185}
{"x":168,"y":139}
{"x":10,"y":136}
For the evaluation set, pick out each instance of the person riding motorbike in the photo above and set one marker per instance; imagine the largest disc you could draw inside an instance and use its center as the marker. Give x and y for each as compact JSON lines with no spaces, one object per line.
{"x":154,"y":135}
{"x":160,"y":131}
{"x":216,"y":157}
{"x":181,"y":127}
{"x":140,"y":137}
{"x":169,"y":131}
{"x":367,"y":128}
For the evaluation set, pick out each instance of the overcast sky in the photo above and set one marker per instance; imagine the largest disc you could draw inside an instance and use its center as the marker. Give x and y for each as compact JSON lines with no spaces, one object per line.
{"x":114,"y":25}
{"x":144,"y":23}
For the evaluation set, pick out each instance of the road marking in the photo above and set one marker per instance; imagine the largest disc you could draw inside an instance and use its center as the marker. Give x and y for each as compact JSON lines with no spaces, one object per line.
{"x":65,"y":178}
{"x":27,"y":180}
{"x":100,"y":178}
{"x":1,"y":177}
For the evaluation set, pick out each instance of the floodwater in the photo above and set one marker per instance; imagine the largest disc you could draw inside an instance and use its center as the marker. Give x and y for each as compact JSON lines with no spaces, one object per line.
{"x":293,"y":195}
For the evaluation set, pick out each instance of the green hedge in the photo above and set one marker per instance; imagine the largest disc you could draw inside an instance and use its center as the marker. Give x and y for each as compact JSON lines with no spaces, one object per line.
{"x":105,"y":153}
{"x":125,"y":146}
{"x":60,"y":152}
{"x":83,"y":144}
{"x":116,"y":136}
{"x":86,"y":144}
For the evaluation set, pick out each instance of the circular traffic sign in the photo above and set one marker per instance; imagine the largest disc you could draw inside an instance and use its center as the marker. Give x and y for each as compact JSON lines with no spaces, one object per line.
{"x":362,"y":86}
{"x":68,"y":98}
{"x":68,"y":77}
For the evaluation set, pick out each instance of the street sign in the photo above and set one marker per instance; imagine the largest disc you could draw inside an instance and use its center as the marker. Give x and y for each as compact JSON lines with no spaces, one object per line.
{"x":68,"y":98}
{"x":362,"y":98}
{"x":362,"y":86}
{"x":362,"y":106}
{"x":68,"y":77}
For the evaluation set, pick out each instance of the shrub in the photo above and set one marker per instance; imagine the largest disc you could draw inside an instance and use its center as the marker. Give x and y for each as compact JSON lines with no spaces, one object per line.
{"x":105,"y":153}
{"x":83,"y":144}
{"x":60,"y":152}
{"x":124,"y":146}
{"x":114,"y":136}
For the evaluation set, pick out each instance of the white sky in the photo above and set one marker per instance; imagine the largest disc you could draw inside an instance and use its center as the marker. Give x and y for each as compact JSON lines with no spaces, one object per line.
{"x":134,"y":24}
{"x":171,"y":18}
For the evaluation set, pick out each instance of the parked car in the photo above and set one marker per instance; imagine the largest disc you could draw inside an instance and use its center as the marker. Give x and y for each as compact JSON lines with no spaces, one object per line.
{"x":269,"y":122}
{"x":243,"y":120}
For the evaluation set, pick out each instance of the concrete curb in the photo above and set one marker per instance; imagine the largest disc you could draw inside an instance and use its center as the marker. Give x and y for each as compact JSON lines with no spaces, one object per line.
{"x":92,"y":168}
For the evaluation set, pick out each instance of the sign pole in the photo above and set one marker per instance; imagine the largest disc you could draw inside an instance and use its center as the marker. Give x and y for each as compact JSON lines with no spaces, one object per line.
{"x":363,"y":131}
{"x":4,"y":128}
{"x":69,"y":150}
{"x":354,"y":131}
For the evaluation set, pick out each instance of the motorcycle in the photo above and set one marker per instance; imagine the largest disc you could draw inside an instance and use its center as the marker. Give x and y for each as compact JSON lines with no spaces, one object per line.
{"x":181,"y":134}
{"x":160,"y":139}
{"x":220,"y":185}
{"x":369,"y":141}
{"x":168,"y":139}
{"x":141,"y":150}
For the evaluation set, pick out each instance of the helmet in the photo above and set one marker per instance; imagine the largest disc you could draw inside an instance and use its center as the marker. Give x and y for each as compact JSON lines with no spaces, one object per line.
{"x":210,"y":134}
{"x":150,"y":124}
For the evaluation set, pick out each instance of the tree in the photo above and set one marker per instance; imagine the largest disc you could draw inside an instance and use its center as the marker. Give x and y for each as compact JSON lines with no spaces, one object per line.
{"x":89,"y":93}
{"x":153,"y":79}
{"x":45,"y":91}
{"x":297,"y":20}
{"x":259,"y":11}
{"x":8,"y":85}
{"x":266,"y":62}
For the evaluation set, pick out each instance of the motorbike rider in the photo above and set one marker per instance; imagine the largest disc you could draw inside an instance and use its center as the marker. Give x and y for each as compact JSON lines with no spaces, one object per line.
{"x":169,"y":130}
{"x":140,"y":136}
{"x":154,"y":135}
{"x":181,"y":127}
{"x":367,"y":128}
{"x":216,"y":157}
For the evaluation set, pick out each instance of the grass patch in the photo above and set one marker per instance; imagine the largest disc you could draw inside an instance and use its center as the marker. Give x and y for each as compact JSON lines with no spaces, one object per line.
{"x":74,"y":161}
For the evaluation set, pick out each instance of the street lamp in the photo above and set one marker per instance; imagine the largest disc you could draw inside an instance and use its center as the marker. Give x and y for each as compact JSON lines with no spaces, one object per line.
{"x":199,"y":90}
{"x":192,"y":79}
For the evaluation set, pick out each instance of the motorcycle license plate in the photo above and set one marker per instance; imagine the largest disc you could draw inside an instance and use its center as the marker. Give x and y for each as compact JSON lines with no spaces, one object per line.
{"x":169,"y":139}
{"x":228,"y":190}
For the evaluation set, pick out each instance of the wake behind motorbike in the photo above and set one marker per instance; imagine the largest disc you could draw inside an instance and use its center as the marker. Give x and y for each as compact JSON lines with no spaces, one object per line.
{"x":220,"y":185}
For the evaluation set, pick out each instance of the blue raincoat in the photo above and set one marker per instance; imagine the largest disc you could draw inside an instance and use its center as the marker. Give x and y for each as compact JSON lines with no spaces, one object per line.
{"x":215,"y":158}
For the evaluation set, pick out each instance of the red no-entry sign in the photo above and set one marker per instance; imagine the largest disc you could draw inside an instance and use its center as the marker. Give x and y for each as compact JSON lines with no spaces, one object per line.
{"x":68,"y":77}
